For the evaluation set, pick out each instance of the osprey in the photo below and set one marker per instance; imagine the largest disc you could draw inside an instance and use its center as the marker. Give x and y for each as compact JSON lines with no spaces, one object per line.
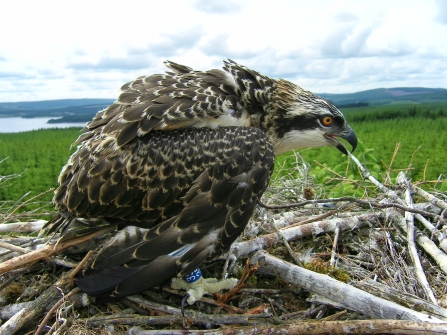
{"x":178,"y":164}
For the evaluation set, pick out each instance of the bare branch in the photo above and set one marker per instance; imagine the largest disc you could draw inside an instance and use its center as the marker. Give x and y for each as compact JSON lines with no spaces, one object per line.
{"x":349,"y":297}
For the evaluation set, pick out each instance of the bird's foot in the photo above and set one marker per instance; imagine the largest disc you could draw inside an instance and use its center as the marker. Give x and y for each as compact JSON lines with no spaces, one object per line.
{"x":197,"y":286}
{"x":248,"y":272}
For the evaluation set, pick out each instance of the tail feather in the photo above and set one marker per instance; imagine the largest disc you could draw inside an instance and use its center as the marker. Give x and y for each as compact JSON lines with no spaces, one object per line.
{"x":104,"y":281}
{"x":120,"y":281}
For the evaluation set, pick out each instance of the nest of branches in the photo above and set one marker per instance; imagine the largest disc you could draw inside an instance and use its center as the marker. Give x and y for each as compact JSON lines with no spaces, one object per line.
{"x":346,"y":265}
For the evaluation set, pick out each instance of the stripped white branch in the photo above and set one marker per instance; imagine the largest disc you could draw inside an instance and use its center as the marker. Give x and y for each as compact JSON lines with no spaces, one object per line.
{"x":22,"y":227}
{"x":400,"y":297}
{"x":342,"y":294}
{"x":367,"y":175}
{"x":435,"y":201}
{"x":245,"y":248}
{"x":334,"y":245}
{"x":438,"y":234}
{"x":403,"y":182}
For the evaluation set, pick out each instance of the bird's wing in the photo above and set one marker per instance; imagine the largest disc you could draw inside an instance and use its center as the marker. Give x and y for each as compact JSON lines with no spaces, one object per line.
{"x":233,"y":175}
{"x":179,"y":99}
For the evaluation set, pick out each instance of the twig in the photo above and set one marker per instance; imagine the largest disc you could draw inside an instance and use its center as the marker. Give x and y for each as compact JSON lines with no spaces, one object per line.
{"x":435,"y":232}
{"x":314,"y":219}
{"x":154,"y":306}
{"x":13,"y":247}
{"x":319,"y":327}
{"x":368,"y":203}
{"x":248,"y":272}
{"x":334,"y":245}
{"x":271,"y":290}
{"x":302,"y":315}
{"x":67,"y":296}
{"x":388,"y":170}
{"x":80,"y":265}
{"x":428,"y":246}
{"x":28,"y":201}
{"x":335,"y":316}
{"x":332,"y":171}
{"x":286,"y":244}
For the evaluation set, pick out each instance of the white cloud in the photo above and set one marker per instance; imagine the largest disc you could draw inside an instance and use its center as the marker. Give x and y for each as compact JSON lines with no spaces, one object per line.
{"x":89,"y":49}
{"x":217,"y":6}
{"x":441,"y":16}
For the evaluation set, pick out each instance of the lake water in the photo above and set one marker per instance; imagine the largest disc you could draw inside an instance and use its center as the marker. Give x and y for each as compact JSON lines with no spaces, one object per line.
{"x":17,"y":124}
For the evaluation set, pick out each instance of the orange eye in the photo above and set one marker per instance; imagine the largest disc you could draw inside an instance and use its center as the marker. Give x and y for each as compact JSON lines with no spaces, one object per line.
{"x":327,"y":120}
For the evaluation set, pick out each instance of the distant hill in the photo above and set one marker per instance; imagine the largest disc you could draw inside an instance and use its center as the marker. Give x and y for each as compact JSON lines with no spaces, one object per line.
{"x":82,"y":110}
{"x":74,"y":108}
{"x":385,"y":96}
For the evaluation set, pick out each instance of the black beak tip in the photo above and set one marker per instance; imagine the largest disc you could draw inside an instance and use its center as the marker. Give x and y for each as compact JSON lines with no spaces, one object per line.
{"x":351,"y":138}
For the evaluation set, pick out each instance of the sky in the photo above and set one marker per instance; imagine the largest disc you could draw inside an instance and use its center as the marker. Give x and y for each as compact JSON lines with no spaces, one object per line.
{"x":57,"y":49}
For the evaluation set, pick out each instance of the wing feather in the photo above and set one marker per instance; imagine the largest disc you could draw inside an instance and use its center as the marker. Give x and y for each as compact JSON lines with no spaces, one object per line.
{"x":178,"y":99}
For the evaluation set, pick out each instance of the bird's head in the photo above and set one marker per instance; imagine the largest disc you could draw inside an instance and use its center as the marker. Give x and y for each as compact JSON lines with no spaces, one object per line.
{"x":297,"y":118}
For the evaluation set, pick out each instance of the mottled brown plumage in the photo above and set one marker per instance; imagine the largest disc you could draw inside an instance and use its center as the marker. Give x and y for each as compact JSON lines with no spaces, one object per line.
{"x":179,"y":163}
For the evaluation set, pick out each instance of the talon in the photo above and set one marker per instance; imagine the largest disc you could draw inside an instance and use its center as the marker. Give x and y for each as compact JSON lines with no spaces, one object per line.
{"x":182,"y":306}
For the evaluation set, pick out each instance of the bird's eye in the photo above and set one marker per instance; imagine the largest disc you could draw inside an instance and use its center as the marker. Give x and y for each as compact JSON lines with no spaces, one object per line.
{"x":327,"y":120}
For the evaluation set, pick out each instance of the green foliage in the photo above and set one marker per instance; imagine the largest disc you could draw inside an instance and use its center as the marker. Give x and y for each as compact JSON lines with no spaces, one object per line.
{"x":379,"y":113}
{"x":38,"y":156}
{"x":421,"y":132}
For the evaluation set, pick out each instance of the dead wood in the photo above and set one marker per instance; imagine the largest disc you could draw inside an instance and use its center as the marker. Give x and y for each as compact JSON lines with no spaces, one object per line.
{"x":22,"y":227}
{"x":409,"y":300}
{"x":344,"y":327}
{"x":345,"y":295}
{"x":307,"y":230}
{"x":193,"y":318}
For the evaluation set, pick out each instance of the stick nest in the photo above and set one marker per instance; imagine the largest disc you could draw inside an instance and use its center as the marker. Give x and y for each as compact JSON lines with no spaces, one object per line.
{"x":378,"y":245}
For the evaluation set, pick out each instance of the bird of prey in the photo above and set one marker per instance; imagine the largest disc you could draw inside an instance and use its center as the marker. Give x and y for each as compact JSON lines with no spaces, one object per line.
{"x":178,"y":164}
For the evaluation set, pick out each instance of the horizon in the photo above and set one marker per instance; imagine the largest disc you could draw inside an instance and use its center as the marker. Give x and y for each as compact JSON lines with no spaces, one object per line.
{"x":318,"y":93}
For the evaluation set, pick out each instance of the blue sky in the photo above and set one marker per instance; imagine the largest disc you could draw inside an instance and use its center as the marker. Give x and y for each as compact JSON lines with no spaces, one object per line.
{"x":87,"y":49}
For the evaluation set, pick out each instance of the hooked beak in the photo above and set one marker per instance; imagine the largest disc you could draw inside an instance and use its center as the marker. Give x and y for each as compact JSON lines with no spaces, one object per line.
{"x":351,"y":138}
